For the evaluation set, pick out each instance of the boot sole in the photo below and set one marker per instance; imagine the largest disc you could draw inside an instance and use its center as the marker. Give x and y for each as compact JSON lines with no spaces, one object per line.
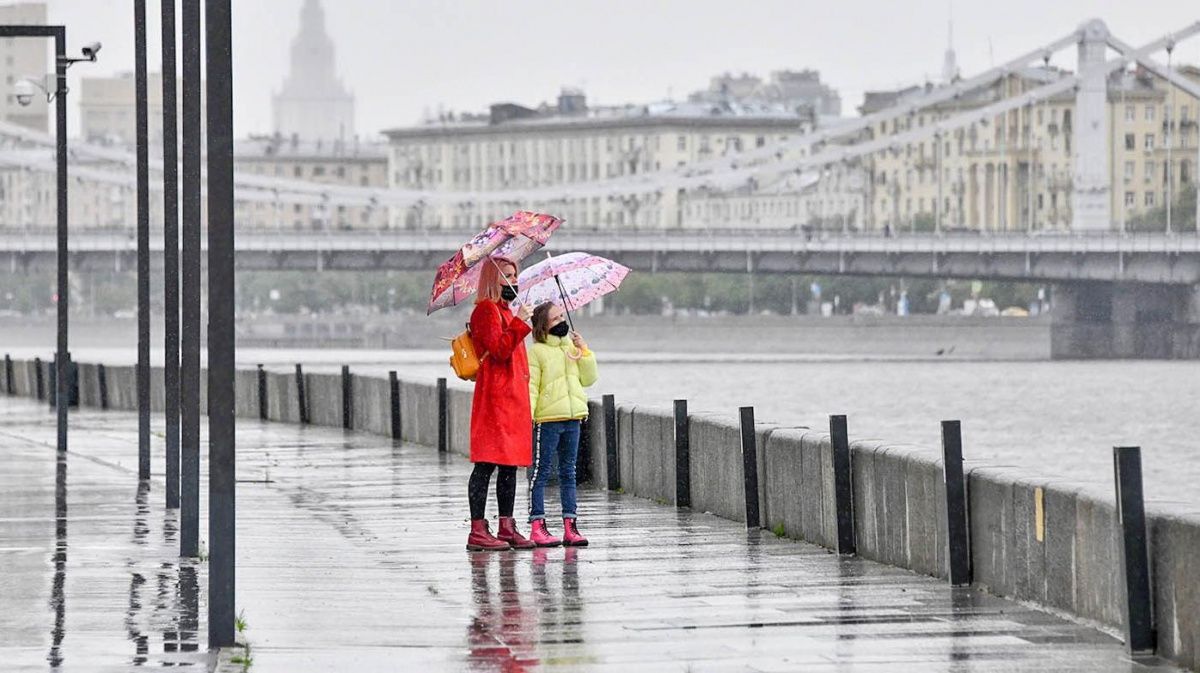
{"x":548,"y":545}
{"x":575,"y":544}
{"x":516,"y":546}
{"x":475,"y":547}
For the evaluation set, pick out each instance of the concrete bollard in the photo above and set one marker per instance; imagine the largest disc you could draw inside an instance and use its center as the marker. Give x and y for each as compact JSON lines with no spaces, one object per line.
{"x":394,"y":397}
{"x":583,"y":463}
{"x":8,"y":374}
{"x":1135,"y":568}
{"x":750,"y":467}
{"x":958,"y":541}
{"x":683,"y":459}
{"x":52,"y":391}
{"x":842,"y":484}
{"x":443,"y":432}
{"x":262,"y":393}
{"x":102,"y":383}
{"x":301,"y":398}
{"x":611,"y":456}
{"x":347,"y":398}
{"x":39,"y":380}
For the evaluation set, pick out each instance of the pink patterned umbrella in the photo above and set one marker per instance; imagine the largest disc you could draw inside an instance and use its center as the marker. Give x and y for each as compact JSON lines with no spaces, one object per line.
{"x":571,"y":280}
{"x":513,"y":238}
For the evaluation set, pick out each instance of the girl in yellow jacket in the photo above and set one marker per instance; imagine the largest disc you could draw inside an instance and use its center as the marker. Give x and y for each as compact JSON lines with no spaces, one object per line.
{"x":560,"y":367}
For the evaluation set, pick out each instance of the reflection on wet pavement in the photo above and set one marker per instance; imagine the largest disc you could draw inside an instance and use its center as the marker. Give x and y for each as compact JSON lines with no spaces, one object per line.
{"x":81,"y":551}
{"x":351,"y":559}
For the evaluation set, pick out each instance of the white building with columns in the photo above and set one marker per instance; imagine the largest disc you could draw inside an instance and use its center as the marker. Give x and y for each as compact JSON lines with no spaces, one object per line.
{"x":569,"y":143}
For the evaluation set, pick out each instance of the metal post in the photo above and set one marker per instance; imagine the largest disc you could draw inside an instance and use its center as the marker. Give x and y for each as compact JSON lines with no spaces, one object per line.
{"x":956,"y":505}
{"x":63,"y":260}
{"x":1029,"y":189}
{"x":62,"y":294}
{"x":394,"y":397}
{"x":937,"y":166}
{"x":683,"y":456}
{"x":221,"y":297}
{"x":143,"y":238}
{"x":189,"y":346}
{"x":842,"y":485}
{"x":612,"y":457}
{"x":8,"y":374}
{"x":750,"y":467}
{"x":347,"y":399}
{"x":1135,"y":566}
{"x":262,"y":393}
{"x":301,"y":397}
{"x":443,"y":417}
{"x":170,"y":249}
{"x":39,"y":382}
{"x":102,"y":383}
{"x":1169,"y":137}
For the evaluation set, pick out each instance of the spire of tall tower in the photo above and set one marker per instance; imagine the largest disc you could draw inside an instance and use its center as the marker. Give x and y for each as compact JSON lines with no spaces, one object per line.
{"x":950,"y":60}
{"x":313,"y":103}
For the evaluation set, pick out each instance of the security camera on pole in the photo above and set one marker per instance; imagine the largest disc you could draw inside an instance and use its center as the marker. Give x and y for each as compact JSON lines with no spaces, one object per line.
{"x":54,"y":87}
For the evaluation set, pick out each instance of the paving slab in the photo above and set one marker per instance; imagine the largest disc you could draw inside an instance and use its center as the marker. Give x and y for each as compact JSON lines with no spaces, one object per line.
{"x":351,"y":558}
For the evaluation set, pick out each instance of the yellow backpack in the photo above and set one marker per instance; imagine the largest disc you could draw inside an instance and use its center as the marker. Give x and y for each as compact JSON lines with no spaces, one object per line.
{"x":463,"y":358}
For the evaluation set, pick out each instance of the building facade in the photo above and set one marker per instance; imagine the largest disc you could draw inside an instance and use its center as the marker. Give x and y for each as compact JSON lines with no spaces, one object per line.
{"x":1014,"y":171}
{"x":21,"y":58}
{"x":522,"y":148}
{"x":108,"y":109}
{"x":354,"y":164}
{"x":28,"y":196}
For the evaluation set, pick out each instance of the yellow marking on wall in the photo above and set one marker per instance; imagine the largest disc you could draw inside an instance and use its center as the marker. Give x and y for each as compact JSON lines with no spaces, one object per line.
{"x":1039,"y":513}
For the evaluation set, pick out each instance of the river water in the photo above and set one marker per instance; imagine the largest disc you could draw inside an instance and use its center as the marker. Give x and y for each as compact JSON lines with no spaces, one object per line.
{"x":1049,"y":418}
{"x":1052,"y":418}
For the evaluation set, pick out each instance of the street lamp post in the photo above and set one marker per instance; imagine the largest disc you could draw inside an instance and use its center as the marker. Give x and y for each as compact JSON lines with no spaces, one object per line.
{"x":143,"y":240}
{"x":221,"y":340}
{"x":171,"y":249}
{"x":57,"y":93}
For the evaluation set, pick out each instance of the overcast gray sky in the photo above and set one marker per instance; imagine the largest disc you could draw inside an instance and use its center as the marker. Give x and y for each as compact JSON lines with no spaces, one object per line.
{"x":403,"y":57}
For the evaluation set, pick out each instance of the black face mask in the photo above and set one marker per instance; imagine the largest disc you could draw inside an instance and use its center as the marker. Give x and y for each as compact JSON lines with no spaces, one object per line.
{"x":560,"y":330}
{"x":508,"y":292}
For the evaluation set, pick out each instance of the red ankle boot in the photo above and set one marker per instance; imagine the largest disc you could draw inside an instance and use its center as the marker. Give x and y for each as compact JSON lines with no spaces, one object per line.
{"x":542,"y":537}
{"x":481,"y":538}
{"x":508,"y":533}
{"x":571,"y":536}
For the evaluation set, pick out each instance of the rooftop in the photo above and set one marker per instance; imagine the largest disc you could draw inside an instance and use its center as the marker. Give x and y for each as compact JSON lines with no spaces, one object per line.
{"x":572,"y":112}
{"x":275,"y":147}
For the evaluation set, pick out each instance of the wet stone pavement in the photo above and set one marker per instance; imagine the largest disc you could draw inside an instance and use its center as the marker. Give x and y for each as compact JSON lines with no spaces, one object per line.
{"x":351,"y":558}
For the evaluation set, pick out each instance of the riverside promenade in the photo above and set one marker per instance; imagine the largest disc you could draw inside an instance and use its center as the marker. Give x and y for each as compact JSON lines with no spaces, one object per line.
{"x":350,"y":558}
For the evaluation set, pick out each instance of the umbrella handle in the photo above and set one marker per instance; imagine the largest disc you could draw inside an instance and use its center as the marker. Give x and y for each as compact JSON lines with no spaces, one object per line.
{"x":502,"y":278}
{"x":562,"y":293}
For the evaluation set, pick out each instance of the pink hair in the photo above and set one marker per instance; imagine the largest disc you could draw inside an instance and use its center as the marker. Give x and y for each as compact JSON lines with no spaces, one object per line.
{"x":490,"y":279}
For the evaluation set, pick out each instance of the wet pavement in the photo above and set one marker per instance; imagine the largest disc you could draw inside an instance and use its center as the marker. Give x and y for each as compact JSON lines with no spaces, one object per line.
{"x":350,"y":558}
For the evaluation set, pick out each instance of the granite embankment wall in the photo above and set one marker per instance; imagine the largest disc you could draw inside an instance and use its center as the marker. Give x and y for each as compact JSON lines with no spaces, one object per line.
{"x":1049,"y":541}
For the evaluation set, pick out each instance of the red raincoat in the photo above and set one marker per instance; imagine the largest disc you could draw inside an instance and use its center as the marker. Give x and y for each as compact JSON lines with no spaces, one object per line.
{"x":501,"y":425}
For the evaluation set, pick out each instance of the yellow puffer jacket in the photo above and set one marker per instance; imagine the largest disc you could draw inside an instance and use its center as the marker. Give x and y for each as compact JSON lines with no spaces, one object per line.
{"x":557,"y":380}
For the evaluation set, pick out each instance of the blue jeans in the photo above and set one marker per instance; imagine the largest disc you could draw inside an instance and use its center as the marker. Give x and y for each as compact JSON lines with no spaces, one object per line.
{"x":561,"y":439}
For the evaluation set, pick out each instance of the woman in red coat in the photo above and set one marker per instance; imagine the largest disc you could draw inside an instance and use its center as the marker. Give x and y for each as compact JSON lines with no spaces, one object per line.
{"x":501,"y":425}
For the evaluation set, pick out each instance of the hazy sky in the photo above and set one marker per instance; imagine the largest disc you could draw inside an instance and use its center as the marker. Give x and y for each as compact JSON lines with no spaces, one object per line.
{"x":401,"y":58}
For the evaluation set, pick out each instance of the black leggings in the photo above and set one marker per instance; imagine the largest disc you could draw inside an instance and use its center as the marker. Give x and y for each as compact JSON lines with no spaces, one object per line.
{"x":506,"y":488}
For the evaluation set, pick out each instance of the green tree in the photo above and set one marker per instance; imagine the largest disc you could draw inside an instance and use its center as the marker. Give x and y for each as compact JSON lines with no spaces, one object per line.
{"x":1183,"y":214}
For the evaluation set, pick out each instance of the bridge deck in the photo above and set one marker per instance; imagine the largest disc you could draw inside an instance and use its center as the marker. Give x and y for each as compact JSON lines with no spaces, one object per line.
{"x":350,"y":557}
